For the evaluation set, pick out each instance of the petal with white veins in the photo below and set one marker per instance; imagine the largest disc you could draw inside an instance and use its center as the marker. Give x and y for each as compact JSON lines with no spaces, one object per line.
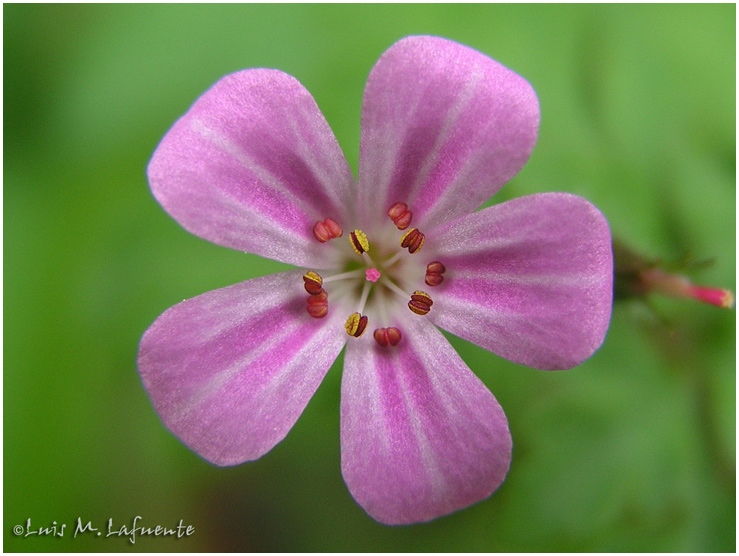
{"x":443,"y":128}
{"x":530,"y":279}
{"x":253,"y":165}
{"x":231,"y":370}
{"x":421,"y":435}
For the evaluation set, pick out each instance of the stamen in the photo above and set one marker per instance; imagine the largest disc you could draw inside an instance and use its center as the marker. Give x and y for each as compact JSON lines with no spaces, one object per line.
{"x":359,"y":242}
{"x":355,"y":325}
{"x":326,"y":230}
{"x":318,"y":305}
{"x":387,"y":336}
{"x":413,"y":240}
{"x":400,"y":215}
{"x":420,"y":303}
{"x":434,"y":273}
{"x":313,"y":283}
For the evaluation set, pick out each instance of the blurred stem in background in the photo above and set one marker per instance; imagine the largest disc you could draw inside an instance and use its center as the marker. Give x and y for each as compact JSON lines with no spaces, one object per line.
{"x":635,"y":278}
{"x":633,"y":451}
{"x":639,"y":276}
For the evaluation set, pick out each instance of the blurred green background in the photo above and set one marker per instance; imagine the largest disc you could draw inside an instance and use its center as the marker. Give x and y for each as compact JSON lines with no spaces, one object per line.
{"x":633,"y":450}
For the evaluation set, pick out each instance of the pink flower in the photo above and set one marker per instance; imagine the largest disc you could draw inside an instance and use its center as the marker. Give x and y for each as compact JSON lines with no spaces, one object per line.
{"x":383,"y":260}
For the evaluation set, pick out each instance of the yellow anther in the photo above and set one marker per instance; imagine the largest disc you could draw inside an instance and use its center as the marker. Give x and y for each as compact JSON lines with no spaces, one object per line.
{"x":413,"y":239}
{"x":359,"y":241}
{"x":405,"y":236}
{"x":355,"y":325}
{"x":313,"y":282}
{"x":420,"y":302}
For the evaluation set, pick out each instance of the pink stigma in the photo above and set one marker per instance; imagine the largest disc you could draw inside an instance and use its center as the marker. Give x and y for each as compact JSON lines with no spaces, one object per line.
{"x":372,"y":274}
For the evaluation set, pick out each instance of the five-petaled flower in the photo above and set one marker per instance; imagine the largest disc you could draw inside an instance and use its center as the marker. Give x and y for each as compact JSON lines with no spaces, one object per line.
{"x":383,"y":261}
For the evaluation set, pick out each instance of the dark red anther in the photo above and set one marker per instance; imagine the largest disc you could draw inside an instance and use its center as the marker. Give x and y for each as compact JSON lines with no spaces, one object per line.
{"x":326,"y":230}
{"x":318,"y":305}
{"x":434,"y":273}
{"x":413,"y":239}
{"x":313,"y":283}
{"x":362,"y":325}
{"x":356,"y":324}
{"x":387,"y":336}
{"x":420,"y":303}
{"x":400,"y":215}
{"x":358,"y":241}
{"x":394,"y":336}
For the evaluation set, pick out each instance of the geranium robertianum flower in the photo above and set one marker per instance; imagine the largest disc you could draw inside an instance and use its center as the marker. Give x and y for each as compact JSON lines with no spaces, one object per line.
{"x":383,"y":261}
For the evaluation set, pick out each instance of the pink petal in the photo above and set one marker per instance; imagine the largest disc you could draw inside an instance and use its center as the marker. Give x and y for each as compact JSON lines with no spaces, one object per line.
{"x":421,"y":435}
{"x":253,"y":165}
{"x":443,"y":128}
{"x":530,"y":279}
{"x":230,"y":371}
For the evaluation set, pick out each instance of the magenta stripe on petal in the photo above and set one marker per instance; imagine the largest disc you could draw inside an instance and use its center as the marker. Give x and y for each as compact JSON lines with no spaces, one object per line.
{"x":530,"y":279}
{"x":421,"y":435}
{"x":443,"y":128}
{"x":253,"y":165}
{"x":230,"y":371}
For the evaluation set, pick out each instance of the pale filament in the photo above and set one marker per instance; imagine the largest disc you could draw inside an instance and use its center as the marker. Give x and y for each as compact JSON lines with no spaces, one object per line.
{"x":392,"y":260}
{"x":391,"y":286}
{"x":368,"y":259}
{"x":365,"y":293}
{"x":344,"y":275}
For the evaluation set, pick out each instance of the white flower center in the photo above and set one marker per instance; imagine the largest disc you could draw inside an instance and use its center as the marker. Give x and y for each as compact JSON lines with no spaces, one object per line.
{"x":377,"y":277}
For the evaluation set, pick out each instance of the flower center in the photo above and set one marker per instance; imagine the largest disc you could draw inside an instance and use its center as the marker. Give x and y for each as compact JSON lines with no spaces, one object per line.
{"x":387,"y":270}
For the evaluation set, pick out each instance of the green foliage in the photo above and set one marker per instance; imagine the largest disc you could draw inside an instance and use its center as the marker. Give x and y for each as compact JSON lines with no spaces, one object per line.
{"x":634,"y":450}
